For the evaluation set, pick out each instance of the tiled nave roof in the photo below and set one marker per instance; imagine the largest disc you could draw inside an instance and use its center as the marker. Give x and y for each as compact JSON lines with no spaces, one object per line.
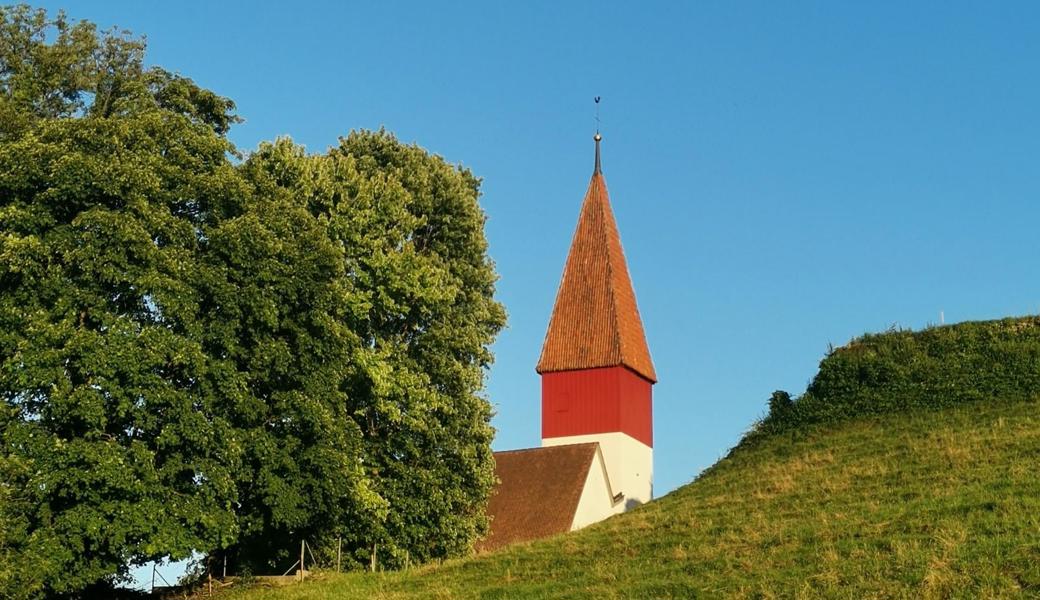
{"x":537,"y":494}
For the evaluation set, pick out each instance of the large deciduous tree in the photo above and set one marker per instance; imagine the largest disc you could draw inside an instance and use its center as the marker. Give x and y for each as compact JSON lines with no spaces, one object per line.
{"x":281,"y":314}
{"x":114,"y":450}
{"x":432,"y":319}
{"x":420,"y":303}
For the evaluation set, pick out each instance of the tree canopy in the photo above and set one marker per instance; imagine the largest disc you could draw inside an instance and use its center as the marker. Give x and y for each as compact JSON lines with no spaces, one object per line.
{"x":205,"y":354}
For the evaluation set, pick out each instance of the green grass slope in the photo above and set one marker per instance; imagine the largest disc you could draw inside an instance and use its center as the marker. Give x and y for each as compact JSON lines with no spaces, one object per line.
{"x":927,"y":491}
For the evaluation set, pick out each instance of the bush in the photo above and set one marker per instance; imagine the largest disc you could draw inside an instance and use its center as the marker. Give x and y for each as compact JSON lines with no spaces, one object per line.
{"x":903,"y":370}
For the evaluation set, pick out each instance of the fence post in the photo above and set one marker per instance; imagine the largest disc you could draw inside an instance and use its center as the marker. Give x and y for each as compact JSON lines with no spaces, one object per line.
{"x":303,"y":544}
{"x":339,"y":554}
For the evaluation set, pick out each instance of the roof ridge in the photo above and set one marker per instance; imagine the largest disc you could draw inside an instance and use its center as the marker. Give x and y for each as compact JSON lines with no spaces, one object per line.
{"x":603,"y":207}
{"x":559,"y":288}
{"x":539,"y":448}
{"x":624,"y":343}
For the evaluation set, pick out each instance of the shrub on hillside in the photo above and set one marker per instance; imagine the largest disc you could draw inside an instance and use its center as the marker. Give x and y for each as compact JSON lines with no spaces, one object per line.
{"x":902,"y":370}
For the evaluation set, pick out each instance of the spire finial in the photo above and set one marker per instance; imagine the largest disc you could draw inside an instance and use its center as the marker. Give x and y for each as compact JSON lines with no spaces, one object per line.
{"x":597,"y":137}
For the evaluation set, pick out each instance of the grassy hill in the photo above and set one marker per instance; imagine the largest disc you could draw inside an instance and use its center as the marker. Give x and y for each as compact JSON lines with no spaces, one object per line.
{"x":909,"y":469}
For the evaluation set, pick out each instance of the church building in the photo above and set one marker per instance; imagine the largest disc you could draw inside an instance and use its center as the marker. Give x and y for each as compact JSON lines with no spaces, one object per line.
{"x":596,"y":458}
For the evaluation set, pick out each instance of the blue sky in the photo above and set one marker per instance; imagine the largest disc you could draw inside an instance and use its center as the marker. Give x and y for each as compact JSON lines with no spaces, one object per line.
{"x":784,"y":175}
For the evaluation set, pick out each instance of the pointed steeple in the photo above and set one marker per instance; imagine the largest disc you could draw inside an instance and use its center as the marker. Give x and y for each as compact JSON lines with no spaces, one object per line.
{"x":595,"y":321}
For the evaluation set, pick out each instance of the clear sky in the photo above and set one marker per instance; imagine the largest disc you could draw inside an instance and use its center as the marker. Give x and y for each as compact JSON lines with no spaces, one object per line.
{"x":784,"y":175}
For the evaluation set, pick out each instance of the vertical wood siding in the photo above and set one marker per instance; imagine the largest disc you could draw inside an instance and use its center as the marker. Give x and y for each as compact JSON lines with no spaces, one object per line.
{"x":602,"y":400}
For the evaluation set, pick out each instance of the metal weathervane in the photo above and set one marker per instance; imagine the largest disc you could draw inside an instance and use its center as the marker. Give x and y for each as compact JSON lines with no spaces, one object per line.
{"x":597,"y":99}
{"x":597,"y":137}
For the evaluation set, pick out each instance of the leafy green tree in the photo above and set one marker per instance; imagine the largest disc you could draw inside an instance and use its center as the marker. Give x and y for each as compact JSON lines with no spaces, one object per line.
{"x":114,"y":452}
{"x":429,"y":284}
{"x":281,"y":314}
{"x":419,"y":299}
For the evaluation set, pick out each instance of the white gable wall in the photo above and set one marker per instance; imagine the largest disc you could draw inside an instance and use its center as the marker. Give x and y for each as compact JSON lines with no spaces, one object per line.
{"x":596,"y":501}
{"x":629,"y":462}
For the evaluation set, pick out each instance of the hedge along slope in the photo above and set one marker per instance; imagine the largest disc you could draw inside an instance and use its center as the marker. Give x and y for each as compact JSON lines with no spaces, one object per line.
{"x":903,"y":370}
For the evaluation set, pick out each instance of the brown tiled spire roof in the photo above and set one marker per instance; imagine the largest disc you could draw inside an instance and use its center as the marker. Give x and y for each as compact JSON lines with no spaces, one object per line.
{"x":595,"y":322}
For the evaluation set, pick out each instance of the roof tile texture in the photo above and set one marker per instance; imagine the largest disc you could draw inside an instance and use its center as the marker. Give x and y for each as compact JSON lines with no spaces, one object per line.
{"x":537,"y":494}
{"x":595,"y":321}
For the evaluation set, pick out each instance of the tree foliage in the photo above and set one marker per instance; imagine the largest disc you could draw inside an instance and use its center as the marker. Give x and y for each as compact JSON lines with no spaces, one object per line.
{"x":418,"y":296}
{"x":115,"y":452}
{"x":204,"y":355}
{"x":280,"y":312}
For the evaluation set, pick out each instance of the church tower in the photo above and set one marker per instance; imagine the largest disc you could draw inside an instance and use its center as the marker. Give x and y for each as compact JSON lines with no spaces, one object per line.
{"x":597,"y":375}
